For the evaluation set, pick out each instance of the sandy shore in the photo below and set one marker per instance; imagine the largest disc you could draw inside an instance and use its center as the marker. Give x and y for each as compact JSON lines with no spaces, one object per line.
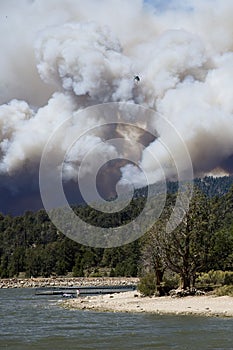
{"x":133,"y":302}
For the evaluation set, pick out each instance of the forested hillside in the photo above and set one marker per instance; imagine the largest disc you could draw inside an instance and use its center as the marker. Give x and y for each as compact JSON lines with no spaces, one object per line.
{"x":30,"y":244}
{"x":209,"y":185}
{"x":214,"y":186}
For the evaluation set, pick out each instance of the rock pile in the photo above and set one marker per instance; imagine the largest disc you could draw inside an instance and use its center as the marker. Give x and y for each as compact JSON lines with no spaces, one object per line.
{"x":65,"y":282}
{"x":175,"y":293}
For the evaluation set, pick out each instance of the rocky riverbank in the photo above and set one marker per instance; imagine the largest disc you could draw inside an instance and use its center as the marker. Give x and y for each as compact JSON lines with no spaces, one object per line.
{"x":65,"y":282}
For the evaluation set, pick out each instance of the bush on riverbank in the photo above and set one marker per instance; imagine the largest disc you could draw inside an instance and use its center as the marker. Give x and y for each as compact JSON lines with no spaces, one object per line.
{"x":224,"y":290}
{"x":147,"y":285}
{"x":215,"y":278}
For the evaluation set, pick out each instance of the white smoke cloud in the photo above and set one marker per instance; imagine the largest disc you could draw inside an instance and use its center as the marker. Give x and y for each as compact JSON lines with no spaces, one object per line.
{"x":86,"y":59}
{"x":60,"y":56}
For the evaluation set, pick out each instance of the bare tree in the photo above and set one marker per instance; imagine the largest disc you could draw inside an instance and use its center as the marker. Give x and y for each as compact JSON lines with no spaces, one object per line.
{"x":184,"y":249}
{"x":151,"y":258}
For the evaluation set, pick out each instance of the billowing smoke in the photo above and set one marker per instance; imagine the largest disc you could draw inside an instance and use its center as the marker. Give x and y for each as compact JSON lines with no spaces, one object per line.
{"x":61,"y":56}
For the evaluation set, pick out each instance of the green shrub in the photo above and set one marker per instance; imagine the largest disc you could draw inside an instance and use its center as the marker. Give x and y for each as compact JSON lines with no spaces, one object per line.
{"x":147,"y":285}
{"x":112,"y":273}
{"x":228,"y":279}
{"x":211,"y":277}
{"x":224,"y":290}
{"x":78,"y":271}
{"x":171,"y":281}
{"x":96,"y":274}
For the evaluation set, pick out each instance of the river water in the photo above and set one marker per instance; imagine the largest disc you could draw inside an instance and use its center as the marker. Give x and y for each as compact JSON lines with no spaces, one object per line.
{"x":38,"y":322}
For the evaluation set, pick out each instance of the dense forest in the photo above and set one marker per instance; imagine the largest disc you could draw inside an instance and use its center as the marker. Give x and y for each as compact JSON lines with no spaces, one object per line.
{"x":209,"y":185}
{"x":30,"y":245}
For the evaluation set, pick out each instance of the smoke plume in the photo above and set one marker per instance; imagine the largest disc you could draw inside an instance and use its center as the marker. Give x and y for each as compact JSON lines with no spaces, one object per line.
{"x":62,"y":56}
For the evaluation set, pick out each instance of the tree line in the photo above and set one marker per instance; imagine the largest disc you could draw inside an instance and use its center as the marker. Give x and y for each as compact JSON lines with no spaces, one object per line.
{"x":203,"y":241}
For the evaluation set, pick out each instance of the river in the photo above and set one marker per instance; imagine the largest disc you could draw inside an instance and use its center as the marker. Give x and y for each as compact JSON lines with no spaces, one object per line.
{"x":38,"y":322}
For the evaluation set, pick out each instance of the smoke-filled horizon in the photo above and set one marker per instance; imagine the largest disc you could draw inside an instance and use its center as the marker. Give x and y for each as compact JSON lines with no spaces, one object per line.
{"x":61,"y":56}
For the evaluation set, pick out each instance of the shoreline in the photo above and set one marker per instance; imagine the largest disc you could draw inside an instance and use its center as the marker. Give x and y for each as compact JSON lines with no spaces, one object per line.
{"x":132,"y":302}
{"x":207,"y":305}
{"x":40,"y":282}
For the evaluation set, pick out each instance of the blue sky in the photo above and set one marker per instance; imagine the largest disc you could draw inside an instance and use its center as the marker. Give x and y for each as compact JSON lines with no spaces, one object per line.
{"x":159,"y":3}
{"x":172,"y":4}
